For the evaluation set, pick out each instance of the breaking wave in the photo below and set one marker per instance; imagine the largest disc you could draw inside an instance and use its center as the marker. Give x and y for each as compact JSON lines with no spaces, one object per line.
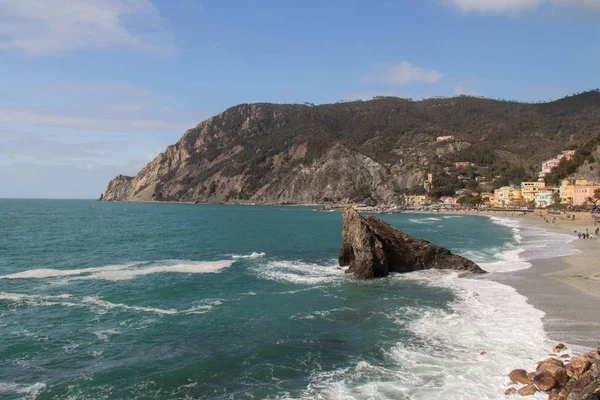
{"x":126,"y":271}
{"x":300,"y":272}
{"x":100,"y":306}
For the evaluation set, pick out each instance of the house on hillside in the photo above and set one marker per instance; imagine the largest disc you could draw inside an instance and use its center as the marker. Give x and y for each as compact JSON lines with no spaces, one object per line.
{"x":444,"y":138}
{"x":463,"y":164}
{"x":548,"y":165}
{"x":480,"y":179}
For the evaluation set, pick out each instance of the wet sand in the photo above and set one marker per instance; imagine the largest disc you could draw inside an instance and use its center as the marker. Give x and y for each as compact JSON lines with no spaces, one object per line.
{"x":567,"y":289}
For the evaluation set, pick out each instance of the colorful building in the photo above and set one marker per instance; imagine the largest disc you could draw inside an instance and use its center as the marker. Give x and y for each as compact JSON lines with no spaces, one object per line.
{"x":581,"y":194}
{"x":544,"y":197}
{"x":463,"y":164}
{"x":567,"y":189}
{"x":508,"y":196}
{"x":529,"y":189}
{"x":548,"y":165}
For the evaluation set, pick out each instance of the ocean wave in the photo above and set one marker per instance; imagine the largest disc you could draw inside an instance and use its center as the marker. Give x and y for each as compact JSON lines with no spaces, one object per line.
{"x":252,"y":255}
{"x":459,"y":353}
{"x":30,"y":391}
{"x":100,"y":306}
{"x":126,"y":271}
{"x":428,"y":220}
{"x":532,"y":243}
{"x":300,"y":272}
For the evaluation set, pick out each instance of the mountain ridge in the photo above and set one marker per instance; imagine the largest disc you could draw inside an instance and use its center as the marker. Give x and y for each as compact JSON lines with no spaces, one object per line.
{"x":351,"y":151}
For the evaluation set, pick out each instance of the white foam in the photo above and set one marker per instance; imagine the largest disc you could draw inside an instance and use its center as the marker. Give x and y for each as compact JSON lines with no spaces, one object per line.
{"x":300,"y":272}
{"x":452,"y":216}
{"x":108,"y":305}
{"x":31,"y":391}
{"x":52,"y":273}
{"x":445,"y":362}
{"x":252,"y":255}
{"x":532,"y":243}
{"x":105,"y":334}
{"x":428,"y":220}
{"x":127,"y":271}
{"x":101,"y":306}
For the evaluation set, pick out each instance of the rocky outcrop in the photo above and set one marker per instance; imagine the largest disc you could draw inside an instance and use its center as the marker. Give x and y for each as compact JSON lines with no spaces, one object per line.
{"x":371,"y":248}
{"x":578,"y":379}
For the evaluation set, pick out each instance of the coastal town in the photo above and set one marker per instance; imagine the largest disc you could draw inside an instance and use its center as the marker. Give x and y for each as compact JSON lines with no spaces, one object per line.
{"x":570,"y":193}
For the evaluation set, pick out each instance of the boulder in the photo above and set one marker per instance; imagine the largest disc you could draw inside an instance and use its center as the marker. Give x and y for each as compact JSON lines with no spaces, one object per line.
{"x":553,"y":361}
{"x":557,"y":372}
{"x":559,"y":347}
{"x":578,"y":365}
{"x":371,"y":248}
{"x":544,"y":381}
{"x":527,"y":390}
{"x":510,"y":391}
{"x":519,"y":376}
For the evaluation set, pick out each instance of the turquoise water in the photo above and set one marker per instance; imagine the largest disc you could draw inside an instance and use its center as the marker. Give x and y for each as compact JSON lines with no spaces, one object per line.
{"x":174,"y":301}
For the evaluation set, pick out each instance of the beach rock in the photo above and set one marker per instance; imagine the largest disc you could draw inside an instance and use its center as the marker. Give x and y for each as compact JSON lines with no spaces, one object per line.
{"x":559,"y":348}
{"x":558,"y":394}
{"x":579,"y":364}
{"x":579,"y":385}
{"x":519,"y":376}
{"x":371,"y":248}
{"x":544,"y":381}
{"x":510,"y":391}
{"x":593,"y":355}
{"x":527,"y":390}
{"x":552,"y":361}
{"x":561,"y":376}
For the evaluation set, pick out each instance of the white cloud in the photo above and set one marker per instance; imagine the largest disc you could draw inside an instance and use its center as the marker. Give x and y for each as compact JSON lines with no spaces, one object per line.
{"x":593,"y":5}
{"x":461,"y":89}
{"x":402,"y":74}
{"x":494,"y":6}
{"x":52,"y":26}
{"x":519,"y":6}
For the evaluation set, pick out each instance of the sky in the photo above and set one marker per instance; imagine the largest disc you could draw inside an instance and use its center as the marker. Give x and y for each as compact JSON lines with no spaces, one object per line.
{"x":94,"y":88}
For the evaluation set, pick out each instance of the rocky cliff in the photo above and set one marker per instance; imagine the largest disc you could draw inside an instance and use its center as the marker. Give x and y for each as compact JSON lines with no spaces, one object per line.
{"x":348,"y":152}
{"x":371,"y":249}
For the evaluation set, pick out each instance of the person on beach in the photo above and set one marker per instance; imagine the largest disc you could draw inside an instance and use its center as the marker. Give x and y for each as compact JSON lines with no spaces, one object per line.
{"x":579,"y":235}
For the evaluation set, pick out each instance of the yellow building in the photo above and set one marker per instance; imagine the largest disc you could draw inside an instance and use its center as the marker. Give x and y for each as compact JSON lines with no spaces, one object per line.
{"x":507,"y":196}
{"x":529,"y":189}
{"x":567,"y":189}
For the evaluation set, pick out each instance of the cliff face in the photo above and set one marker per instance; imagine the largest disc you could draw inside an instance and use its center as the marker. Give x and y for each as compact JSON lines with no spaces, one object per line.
{"x":267,"y":153}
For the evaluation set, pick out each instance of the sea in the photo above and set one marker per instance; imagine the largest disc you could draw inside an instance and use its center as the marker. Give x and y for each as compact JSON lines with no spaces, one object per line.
{"x":181,"y":301}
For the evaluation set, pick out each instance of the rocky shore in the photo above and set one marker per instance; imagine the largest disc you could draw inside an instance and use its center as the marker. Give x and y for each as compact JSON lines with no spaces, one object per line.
{"x":371,"y":248}
{"x":561,"y":376}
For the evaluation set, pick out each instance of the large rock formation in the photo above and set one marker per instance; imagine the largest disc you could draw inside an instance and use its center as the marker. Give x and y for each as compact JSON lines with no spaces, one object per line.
{"x":352,"y":151}
{"x":373,"y":249}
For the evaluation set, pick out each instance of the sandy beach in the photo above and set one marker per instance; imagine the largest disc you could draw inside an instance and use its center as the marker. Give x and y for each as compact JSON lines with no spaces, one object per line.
{"x":567,"y":289}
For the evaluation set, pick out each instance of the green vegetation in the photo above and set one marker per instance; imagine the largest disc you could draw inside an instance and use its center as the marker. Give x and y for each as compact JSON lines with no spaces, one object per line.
{"x":256,"y":141}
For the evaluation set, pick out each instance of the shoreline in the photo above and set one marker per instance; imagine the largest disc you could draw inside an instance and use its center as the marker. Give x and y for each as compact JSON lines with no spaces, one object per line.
{"x":567,"y":288}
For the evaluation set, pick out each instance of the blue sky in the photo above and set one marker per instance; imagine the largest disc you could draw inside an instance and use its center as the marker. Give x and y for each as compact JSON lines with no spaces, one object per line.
{"x":93,"y":88}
